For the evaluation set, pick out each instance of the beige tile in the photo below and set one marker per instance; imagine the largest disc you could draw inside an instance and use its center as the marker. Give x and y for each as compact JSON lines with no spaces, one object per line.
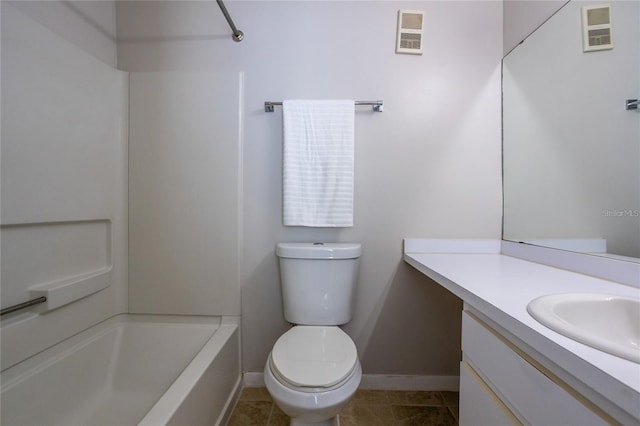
{"x":255,"y":394}
{"x":432,"y":398}
{"x":455,"y":412}
{"x":251,"y":413}
{"x":370,"y":397}
{"x":358,"y":421}
{"x":451,"y":399}
{"x":418,"y":415}
{"x":347,"y":420}
{"x":278,"y":417}
{"x":367,"y":408}
{"x":367,"y":414}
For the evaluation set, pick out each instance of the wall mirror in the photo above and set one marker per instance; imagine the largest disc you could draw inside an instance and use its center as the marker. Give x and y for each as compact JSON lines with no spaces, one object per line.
{"x":571,"y":148}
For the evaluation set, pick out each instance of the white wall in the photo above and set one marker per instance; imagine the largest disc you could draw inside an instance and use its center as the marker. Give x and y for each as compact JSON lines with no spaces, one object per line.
{"x":571,"y":149}
{"x":428,"y":166}
{"x":522,"y":17}
{"x":89,"y":25}
{"x":64,"y":181}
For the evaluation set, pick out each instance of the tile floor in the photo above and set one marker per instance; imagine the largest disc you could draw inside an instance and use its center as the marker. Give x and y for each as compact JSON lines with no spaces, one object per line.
{"x":367,"y":408}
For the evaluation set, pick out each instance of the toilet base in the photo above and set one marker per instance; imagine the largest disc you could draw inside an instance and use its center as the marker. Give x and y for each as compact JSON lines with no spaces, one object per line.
{"x":312,"y":408}
{"x":335,"y":421}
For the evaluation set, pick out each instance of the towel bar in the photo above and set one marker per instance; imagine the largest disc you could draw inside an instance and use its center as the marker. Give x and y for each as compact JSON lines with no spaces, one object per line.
{"x":376,"y":105}
{"x":22,"y":305}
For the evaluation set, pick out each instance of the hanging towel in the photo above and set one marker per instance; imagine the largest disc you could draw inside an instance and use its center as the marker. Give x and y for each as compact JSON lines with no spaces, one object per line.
{"x":318,"y":163}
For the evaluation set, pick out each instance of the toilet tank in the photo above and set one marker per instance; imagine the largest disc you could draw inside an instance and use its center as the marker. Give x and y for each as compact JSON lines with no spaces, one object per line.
{"x":318,"y":281}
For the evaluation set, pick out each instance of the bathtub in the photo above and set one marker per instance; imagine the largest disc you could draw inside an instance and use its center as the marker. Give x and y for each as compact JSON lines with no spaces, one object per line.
{"x":128,"y":370}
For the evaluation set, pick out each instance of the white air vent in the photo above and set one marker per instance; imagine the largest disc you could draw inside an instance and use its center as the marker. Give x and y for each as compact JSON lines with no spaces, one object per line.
{"x":596,"y":27}
{"x":410,"y":27}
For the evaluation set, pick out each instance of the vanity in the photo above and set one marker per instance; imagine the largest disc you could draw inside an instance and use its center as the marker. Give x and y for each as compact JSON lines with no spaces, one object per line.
{"x":515,"y":370}
{"x":571,"y":202}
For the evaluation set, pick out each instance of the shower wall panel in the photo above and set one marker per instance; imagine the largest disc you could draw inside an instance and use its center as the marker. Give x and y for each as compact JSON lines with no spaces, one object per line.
{"x":184,"y":193}
{"x":64,"y":171}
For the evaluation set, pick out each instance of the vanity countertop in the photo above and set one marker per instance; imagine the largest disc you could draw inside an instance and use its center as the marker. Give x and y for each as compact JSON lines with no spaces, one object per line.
{"x":500,"y":287}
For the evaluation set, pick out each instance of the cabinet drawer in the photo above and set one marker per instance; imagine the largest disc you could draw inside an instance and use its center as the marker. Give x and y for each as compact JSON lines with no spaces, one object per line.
{"x":531,"y":395}
{"x":479,"y":406}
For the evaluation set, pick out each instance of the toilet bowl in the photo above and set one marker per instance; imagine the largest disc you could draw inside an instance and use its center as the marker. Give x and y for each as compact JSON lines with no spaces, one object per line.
{"x":313,"y":369}
{"x":312,"y":373}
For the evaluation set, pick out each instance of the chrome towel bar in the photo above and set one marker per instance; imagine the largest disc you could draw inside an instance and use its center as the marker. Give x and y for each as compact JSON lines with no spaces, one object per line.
{"x":376,"y":105}
{"x":23,"y":305}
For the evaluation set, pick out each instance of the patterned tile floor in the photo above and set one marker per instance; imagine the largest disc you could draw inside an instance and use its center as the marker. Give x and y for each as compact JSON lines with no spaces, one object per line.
{"x":367,"y":408}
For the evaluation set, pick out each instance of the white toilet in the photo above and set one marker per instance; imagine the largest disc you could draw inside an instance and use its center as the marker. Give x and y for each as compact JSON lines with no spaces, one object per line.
{"x":313,"y":369}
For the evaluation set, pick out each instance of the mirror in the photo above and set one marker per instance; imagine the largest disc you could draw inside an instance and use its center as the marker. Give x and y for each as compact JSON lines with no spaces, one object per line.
{"x":571,"y":148}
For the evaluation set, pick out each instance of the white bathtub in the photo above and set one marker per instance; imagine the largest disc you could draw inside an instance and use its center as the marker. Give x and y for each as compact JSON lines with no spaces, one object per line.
{"x":128,"y":370}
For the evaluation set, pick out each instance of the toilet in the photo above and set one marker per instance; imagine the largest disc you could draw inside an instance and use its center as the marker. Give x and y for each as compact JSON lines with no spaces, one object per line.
{"x":313,"y":369}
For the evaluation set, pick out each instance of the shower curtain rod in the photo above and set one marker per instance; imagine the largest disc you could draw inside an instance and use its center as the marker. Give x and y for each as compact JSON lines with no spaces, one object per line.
{"x":237,"y":34}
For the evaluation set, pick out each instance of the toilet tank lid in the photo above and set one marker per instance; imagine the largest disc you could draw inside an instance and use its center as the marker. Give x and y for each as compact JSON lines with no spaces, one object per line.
{"x":319,"y":250}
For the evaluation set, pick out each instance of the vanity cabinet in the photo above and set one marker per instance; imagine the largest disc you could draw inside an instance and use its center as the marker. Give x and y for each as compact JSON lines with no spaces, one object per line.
{"x":501,"y":385}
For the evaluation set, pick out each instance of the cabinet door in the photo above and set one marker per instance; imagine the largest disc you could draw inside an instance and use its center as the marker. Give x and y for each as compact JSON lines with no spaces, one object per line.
{"x":536,"y":397}
{"x":479,"y":406}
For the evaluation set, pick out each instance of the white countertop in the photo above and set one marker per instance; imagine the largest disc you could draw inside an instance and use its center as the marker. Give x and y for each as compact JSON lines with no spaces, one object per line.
{"x":500,"y":287}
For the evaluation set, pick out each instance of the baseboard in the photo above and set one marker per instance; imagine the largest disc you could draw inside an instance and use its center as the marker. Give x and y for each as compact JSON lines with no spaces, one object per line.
{"x":253,"y":379}
{"x":383,"y":382}
{"x":409,"y":382}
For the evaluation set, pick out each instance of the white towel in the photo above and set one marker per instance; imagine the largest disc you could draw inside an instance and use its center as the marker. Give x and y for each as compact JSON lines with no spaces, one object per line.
{"x":318,"y":163}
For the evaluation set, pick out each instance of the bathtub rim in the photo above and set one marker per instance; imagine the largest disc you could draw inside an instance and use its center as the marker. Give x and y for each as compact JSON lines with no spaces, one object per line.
{"x":166,"y":407}
{"x":30,"y":366}
{"x":225,"y":330}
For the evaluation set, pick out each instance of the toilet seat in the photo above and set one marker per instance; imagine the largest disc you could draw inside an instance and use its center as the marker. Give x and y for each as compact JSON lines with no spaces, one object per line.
{"x":314,"y":357}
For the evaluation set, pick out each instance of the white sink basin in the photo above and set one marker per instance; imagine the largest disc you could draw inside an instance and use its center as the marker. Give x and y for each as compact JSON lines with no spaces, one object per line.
{"x":605,"y":322}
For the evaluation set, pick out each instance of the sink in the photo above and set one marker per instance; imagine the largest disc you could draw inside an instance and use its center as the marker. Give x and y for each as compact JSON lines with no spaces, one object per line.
{"x":606,"y":322}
